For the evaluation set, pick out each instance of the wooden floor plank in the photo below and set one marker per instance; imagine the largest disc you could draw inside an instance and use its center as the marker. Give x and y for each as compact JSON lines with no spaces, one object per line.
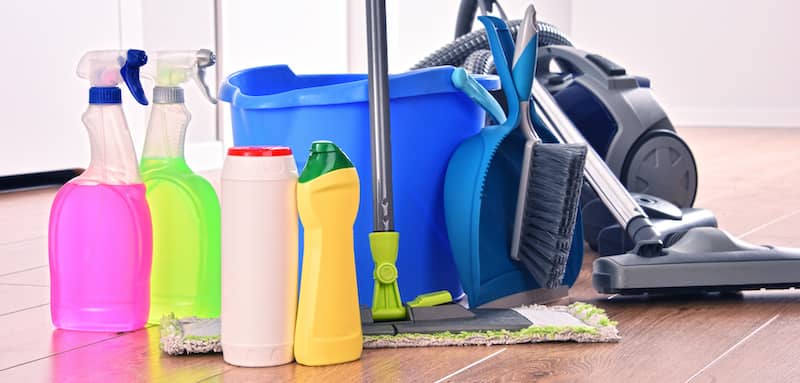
{"x":732,"y":161}
{"x":38,"y":276}
{"x":24,"y":215}
{"x":742,"y":213}
{"x":771,"y":355}
{"x":14,"y":297}
{"x":132,"y":357}
{"x":786,"y":227}
{"x":688,"y":333}
{"x":23,"y":255}
{"x":391,"y":365}
{"x":28,"y":335}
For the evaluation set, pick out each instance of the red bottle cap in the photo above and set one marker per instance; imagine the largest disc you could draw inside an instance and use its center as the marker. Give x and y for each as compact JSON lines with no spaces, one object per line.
{"x":259,"y":151}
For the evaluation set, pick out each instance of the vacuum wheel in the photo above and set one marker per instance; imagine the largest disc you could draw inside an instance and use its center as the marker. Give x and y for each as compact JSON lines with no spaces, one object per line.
{"x":661,"y":164}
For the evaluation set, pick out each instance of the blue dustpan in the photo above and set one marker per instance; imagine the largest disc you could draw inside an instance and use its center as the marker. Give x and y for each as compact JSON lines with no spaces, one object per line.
{"x":481,"y":195}
{"x":471,"y":192}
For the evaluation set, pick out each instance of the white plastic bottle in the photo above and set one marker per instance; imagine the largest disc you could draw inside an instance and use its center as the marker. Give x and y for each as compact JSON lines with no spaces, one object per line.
{"x":259,"y":256}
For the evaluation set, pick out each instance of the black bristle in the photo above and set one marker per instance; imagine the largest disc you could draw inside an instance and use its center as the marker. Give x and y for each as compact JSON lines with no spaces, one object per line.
{"x":550,"y":210}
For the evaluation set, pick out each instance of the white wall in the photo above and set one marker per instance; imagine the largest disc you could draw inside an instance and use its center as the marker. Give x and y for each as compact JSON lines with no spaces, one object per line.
{"x":43,"y":98}
{"x":186,"y":25}
{"x":712,"y":62}
{"x":308,"y":35}
{"x":416,"y":28}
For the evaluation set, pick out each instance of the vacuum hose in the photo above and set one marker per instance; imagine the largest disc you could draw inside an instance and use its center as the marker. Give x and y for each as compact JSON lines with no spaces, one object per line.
{"x":456,"y":52}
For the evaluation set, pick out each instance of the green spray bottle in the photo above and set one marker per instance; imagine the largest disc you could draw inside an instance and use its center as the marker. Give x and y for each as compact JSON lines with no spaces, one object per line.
{"x":185,"y":279}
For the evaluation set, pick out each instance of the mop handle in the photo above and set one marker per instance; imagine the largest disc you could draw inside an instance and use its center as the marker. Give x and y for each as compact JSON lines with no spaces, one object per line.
{"x":380,"y":136}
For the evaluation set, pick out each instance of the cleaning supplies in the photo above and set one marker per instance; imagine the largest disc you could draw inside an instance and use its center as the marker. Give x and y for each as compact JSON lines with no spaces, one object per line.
{"x":476,"y":206}
{"x":550,"y":183}
{"x":328,"y":329}
{"x":259,"y":256}
{"x":184,"y":206}
{"x":100,"y":240}
{"x":271,"y":105}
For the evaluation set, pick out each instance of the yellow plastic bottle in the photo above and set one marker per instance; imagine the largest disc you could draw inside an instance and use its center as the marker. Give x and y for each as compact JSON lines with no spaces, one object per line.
{"x":328,"y":329}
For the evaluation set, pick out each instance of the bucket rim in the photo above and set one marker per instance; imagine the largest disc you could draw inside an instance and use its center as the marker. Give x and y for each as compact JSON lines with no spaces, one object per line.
{"x":353,"y":88}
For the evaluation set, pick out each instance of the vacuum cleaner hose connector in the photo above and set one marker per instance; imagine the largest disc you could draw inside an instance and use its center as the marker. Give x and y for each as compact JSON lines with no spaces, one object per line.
{"x":645,"y":236}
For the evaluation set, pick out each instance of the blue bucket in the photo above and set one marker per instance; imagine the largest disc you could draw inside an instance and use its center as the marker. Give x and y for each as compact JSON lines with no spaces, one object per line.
{"x":272,"y":106}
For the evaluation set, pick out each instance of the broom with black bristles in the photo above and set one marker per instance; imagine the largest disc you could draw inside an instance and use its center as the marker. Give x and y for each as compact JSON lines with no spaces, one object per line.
{"x":550,"y":180}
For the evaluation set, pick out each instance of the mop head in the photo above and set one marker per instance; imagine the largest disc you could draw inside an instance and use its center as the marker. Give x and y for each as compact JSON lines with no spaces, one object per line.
{"x":190,"y":335}
{"x":549,"y":211}
{"x":578,"y":322}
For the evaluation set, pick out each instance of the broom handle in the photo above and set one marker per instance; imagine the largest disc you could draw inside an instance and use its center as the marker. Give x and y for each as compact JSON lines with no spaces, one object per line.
{"x":380,"y":133}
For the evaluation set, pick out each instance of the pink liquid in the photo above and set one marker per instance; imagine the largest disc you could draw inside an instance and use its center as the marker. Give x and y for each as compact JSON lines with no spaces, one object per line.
{"x":100,"y":243}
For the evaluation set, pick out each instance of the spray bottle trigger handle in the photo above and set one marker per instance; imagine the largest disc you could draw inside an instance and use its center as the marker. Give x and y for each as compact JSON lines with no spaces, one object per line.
{"x":130,"y":74}
{"x":205,"y":59}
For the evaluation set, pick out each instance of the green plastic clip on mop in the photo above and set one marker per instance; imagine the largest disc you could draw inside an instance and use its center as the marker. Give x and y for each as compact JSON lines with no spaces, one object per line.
{"x":185,"y":208}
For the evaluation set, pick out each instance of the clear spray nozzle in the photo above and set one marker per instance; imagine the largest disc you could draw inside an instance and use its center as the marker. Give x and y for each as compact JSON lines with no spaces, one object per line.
{"x":173,"y":68}
{"x":110,"y":67}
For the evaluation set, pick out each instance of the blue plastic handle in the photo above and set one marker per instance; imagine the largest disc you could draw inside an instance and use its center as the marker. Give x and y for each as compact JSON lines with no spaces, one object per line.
{"x":130,"y":74}
{"x":502,"y":46}
{"x":525,"y":68}
{"x":462,"y":80}
{"x":524,"y":64}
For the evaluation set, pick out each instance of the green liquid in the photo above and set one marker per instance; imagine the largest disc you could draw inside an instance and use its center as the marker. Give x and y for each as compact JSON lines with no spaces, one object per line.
{"x":185,"y":278}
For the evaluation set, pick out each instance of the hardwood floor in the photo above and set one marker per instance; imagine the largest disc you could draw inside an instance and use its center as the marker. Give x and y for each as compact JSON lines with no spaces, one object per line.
{"x":748,"y":177}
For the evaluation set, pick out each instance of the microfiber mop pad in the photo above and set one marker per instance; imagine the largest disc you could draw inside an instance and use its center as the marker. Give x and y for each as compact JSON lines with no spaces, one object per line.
{"x":189,"y":335}
{"x":578,"y":322}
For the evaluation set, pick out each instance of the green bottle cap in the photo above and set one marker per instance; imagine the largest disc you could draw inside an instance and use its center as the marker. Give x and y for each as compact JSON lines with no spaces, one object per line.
{"x":325,"y":157}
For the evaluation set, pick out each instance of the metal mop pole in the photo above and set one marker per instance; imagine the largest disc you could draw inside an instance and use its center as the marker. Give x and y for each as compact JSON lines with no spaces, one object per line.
{"x":380,"y":137}
{"x":383,"y":241}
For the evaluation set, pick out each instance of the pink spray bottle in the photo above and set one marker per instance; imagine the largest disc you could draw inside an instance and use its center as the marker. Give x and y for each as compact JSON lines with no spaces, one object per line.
{"x":100,"y":235}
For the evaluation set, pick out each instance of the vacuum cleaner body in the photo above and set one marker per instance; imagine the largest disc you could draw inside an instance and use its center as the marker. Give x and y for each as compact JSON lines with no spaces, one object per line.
{"x":695,"y":260}
{"x":620,"y":117}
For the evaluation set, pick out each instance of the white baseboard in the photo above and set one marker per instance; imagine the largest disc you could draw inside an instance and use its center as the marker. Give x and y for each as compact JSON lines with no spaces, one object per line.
{"x":204,"y":156}
{"x":719,"y":117}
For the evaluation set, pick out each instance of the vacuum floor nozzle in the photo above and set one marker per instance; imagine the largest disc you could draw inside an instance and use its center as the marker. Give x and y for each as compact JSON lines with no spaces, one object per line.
{"x":704,"y":259}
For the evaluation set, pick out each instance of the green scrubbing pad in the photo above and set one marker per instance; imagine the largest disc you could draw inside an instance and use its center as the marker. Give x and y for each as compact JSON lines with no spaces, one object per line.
{"x":578,"y":322}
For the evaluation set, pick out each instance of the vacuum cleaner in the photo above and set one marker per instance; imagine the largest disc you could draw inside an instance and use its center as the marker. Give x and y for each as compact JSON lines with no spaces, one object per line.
{"x":616,"y":112}
{"x":620,"y":117}
{"x":699,"y":259}
{"x":664,"y":244}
